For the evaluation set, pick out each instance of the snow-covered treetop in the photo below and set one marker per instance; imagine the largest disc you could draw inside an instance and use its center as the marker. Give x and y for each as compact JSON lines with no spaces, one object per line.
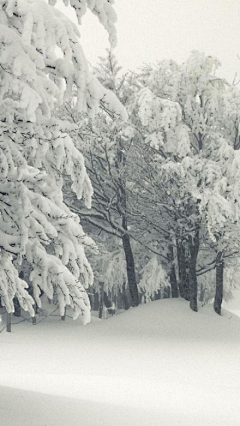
{"x":38,"y":41}
{"x":190,"y":119}
{"x":101,"y":8}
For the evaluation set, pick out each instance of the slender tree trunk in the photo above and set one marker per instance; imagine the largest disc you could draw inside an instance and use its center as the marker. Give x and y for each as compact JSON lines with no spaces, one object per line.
{"x":132,"y":284}
{"x":125,"y":302}
{"x":182,"y":269}
{"x":101,"y":294}
{"x":193,"y":249}
{"x":202,"y":294}
{"x":17,"y":307}
{"x":172,"y":273}
{"x":219,"y":283}
{"x":9,"y":322}
{"x":96,"y":301}
{"x":187,"y":296}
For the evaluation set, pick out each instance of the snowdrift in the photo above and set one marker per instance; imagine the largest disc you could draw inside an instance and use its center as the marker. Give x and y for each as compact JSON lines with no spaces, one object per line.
{"x":156,"y":365}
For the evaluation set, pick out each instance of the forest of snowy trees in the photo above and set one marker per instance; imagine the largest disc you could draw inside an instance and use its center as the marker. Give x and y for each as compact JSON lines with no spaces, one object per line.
{"x":115,"y":187}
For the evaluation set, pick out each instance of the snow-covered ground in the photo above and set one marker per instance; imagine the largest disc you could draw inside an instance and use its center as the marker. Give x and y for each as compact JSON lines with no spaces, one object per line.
{"x":234,"y":304}
{"x":156,"y":365}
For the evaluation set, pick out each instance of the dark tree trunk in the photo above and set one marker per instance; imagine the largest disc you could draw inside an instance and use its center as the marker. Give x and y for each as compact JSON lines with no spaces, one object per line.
{"x":182,"y":268}
{"x":101,"y":294}
{"x":187,"y":296}
{"x":193,"y":250}
{"x":125,"y":300}
{"x":9,"y":322}
{"x":172,"y":273}
{"x":219,"y":283}
{"x":132,"y":284}
{"x":95,"y":301}
{"x":17,"y":307}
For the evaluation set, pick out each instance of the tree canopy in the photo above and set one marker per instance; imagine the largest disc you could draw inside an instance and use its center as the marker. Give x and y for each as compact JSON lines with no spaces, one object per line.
{"x":41,"y":60}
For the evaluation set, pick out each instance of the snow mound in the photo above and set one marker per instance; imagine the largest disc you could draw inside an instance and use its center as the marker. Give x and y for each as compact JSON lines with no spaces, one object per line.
{"x":173,"y":319}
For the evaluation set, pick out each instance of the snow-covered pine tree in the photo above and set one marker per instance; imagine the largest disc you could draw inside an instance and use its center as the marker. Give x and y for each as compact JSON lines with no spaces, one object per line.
{"x":107,"y":71}
{"x":41,"y":59}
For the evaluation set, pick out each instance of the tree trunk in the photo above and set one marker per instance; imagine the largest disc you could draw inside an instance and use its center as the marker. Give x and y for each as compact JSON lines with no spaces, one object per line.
{"x":17,"y":307}
{"x":130,"y":270}
{"x":132,"y":283}
{"x":125,"y":300}
{"x":172,"y":273}
{"x":182,"y":271}
{"x":219,"y":283}
{"x":9,"y":322}
{"x":202,"y":291}
{"x":101,"y":294}
{"x":193,"y":249}
{"x":95,"y":301}
{"x":187,"y":295}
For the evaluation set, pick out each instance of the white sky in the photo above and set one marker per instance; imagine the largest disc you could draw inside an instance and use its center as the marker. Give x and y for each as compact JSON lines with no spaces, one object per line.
{"x":151,"y":30}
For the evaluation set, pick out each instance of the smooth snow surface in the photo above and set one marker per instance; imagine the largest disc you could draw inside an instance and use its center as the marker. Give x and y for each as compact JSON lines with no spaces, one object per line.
{"x":156,"y":365}
{"x":233,"y":305}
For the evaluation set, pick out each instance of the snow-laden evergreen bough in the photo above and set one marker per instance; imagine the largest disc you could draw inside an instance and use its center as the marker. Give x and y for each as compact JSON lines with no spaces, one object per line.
{"x":41,"y":60}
